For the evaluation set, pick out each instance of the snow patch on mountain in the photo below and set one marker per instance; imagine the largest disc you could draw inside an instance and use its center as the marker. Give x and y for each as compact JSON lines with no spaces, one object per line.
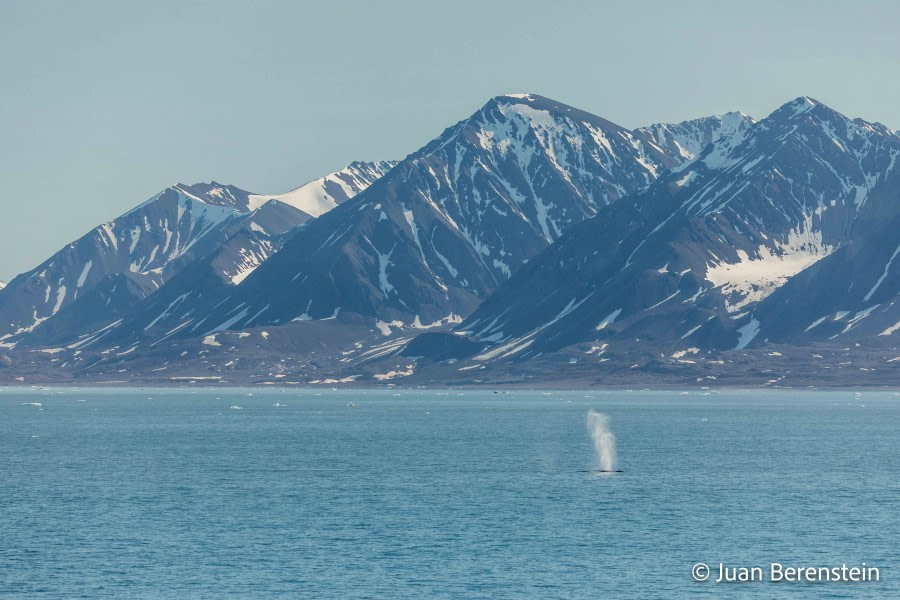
{"x":687,"y":139}
{"x":687,"y":179}
{"x":323,"y":194}
{"x":747,"y":333}
{"x":250,"y":258}
{"x":608,"y":319}
{"x":384,"y":261}
{"x":386,"y":328}
{"x":881,"y":279}
{"x":84,"y":273}
{"x":752,"y":278}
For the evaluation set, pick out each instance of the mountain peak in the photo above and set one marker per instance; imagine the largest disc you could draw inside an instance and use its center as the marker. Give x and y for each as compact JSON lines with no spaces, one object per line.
{"x":804,"y":103}
{"x":736,"y":116}
{"x":798,"y":107}
{"x":321,"y":195}
{"x":826,"y":119}
{"x":535,"y":101}
{"x":536,"y":109}
{"x":807,"y":100}
{"x":520,"y":96}
{"x":688,"y":138}
{"x":215,"y":194}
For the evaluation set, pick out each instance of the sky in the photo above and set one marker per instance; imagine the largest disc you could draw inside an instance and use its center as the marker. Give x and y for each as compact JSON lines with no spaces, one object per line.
{"x":105,"y":103}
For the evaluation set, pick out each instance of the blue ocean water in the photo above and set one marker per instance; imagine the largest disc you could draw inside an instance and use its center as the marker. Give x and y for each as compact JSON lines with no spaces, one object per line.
{"x":441,"y":494}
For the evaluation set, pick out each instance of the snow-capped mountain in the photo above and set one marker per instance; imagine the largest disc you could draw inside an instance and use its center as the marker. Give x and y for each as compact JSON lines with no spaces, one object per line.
{"x":433,"y":237}
{"x":101,"y":277}
{"x":321,"y":195}
{"x":144,"y":246}
{"x":528,"y":238}
{"x":686,"y":262}
{"x":688,"y":138}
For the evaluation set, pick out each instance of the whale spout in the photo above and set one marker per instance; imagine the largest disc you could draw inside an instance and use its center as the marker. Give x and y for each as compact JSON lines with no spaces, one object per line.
{"x":604,"y":441}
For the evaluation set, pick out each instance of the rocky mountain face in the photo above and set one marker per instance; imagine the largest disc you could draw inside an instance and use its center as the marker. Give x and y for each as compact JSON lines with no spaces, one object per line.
{"x":430,"y":240}
{"x":140,"y":249}
{"x":688,"y":138}
{"x":531,"y":241}
{"x":686,"y":263}
{"x":104,"y":275}
{"x":849,"y":297}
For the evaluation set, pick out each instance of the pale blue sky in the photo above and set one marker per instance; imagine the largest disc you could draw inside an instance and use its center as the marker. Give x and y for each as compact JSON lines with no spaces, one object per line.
{"x":104,"y":103}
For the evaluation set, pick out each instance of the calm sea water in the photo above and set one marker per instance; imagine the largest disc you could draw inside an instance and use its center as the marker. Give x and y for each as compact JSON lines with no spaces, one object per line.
{"x":441,"y":494}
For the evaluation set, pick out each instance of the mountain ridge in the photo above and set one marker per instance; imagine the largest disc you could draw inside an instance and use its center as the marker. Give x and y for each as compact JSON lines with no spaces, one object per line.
{"x":704,"y":213}
{"x":531,"y":240}
{"x":149,"y":244}
{"x":435,"y":235}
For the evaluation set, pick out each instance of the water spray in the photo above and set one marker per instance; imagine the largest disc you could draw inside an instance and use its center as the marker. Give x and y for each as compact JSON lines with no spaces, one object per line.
{"x":604,"y":442}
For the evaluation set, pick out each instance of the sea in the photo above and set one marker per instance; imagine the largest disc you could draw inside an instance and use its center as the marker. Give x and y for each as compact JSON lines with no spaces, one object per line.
{"x":445,"y":493}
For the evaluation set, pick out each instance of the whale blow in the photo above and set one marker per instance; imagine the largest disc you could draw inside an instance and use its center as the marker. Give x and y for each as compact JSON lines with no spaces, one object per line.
{"x":604,"y":440}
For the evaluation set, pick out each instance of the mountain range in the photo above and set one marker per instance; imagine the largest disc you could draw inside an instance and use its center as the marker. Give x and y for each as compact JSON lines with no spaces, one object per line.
{"x":531,"y":242}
